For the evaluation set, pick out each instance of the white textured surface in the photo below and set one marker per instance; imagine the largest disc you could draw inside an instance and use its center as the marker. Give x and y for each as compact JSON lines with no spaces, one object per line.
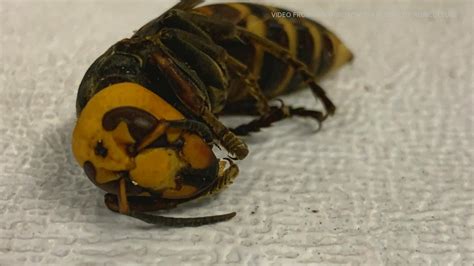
{"x":389,"y":180}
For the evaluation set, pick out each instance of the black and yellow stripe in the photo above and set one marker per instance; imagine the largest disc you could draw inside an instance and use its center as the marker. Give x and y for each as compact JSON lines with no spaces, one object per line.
{"x":310,"y":42}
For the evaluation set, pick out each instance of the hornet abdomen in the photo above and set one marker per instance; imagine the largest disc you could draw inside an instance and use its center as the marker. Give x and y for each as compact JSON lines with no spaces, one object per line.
{"x":314,"y":45}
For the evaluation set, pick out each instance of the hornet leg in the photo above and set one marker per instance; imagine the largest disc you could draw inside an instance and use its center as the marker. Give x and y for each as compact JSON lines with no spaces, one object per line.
{"x":276,"y":114}
{"x":299,"y":66}
{"x":226,"y":177}
{"x":190,"y":89}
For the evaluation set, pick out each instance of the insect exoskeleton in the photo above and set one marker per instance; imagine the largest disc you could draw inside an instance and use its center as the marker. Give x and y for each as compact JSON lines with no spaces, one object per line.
{"x":148,"y":108}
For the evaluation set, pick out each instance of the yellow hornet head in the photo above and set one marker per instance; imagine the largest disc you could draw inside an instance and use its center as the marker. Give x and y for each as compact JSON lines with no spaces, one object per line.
{"x":124,"y":131}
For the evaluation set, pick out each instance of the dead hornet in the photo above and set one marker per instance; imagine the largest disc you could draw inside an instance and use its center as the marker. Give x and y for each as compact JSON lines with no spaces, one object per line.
{"x":147,"y":108}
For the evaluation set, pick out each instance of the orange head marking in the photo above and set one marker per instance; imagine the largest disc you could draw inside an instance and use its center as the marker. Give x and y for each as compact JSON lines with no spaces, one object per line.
{"x":117,"y":135}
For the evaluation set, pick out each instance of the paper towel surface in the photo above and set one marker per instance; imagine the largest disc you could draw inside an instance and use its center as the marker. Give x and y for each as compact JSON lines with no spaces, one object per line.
{"x":388,"y":180}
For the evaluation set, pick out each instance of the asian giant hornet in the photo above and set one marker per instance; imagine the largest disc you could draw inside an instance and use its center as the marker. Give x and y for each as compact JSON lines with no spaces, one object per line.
{"x":147,"y":108}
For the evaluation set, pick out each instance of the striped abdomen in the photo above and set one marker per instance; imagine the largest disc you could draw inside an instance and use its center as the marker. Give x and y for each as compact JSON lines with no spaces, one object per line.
{"x":311,"y":43}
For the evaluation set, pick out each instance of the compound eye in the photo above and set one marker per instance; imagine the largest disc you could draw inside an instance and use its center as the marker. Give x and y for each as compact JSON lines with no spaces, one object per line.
{"x":100,"y":149}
